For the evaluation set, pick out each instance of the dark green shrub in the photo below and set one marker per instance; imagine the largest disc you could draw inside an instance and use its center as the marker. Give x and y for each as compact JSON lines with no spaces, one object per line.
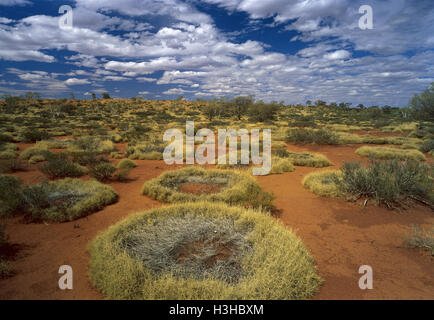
{"x":33,"y":135}
{"x":102,"y":171}
{"x":282,"y":153}
{"x":427,"y":146}
{"x":305,"y":136}
{"x":10,"y":195}
{"x":5,"y":137}
{"x":59,"y":166}
{"x":11,"y":165}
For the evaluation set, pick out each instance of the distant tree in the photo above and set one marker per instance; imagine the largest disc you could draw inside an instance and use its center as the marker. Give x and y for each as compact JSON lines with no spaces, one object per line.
{"x":387,"y":109}
{"x":319,"y":103}
{"x":360,"y":106}
{"x":260,"y":111}
{"x":106,"y":95}
{"x":308,"y":103}
{"x":333,"y":104}
{"x":32,"y":95}
{"x":71,"y":96}
{"x":11,"y":103}
{"x":240,"y":105}
{"x":211,"y":110}
{"x":93,"y":96}
{"x":345,"y":105}
{"x":422,"y":104}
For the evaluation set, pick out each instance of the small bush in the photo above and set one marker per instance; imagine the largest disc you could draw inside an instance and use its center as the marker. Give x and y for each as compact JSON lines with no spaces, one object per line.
{"x":102,"y":171}
{"x":59,"y":166}
{"x":126,"y":163}
{"x":6,"y":137}
{"x":423,"y":239}
{"x":427,"y":146}
{"x":307,"y":136}
{"x":384,"y":153}
{"x":40,"y":153}
{"x":11,"y":165}
{"x":389,"y":182}
{"x":33,"y":135}
{"x":10,"y":195}
{"x":5,"y":269}
{"x":8,"y":150}
{"x":66,"y":200}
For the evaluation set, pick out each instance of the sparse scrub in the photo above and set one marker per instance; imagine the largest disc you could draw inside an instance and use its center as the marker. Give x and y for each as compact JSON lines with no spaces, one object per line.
{"x":201,"y":251}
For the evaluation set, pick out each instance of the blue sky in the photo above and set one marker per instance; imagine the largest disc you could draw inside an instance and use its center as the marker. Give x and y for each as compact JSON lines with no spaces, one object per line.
{"x":282,"y":50}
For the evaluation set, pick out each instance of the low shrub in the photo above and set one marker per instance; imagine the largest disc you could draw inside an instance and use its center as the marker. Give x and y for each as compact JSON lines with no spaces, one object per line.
{"x":235,"y":187}
{"x":10,"y":195}
{"x":126,"y":164}
{"x":312,"y":136}
{"x":427,"y":146}
{"x":102,"y":171}
{"x":420,"y":238}
{"x":8,"y":150}
{"x":385,"y":153}
{"x":201,"y":251}
{"x":6,"y":137}
{"x":32,"y":152}
{"x":66,"y":200}
{"x":5,"y":267}
{"x":33,"y":135}
{"x":390,"y":182}
{"x":11,"y":165}
{"x":59,"y":166}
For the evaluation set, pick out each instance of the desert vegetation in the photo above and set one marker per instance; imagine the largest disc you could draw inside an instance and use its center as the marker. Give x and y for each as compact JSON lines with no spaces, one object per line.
{"x":201,"y":251}
{"x":217,"y":234}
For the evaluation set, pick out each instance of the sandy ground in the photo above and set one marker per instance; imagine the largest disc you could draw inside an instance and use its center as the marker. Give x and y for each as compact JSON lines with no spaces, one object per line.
{"x":341,"y":236}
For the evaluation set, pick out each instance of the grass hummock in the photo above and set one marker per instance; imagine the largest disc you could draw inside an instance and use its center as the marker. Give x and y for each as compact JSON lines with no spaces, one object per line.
{"x":66,"y":200}
{"x":201,"y":250}
{"x":234,"y":187}
{"x":385,"y":153}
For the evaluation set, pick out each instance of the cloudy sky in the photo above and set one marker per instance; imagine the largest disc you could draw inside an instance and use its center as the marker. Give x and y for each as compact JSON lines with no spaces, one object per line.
{"x":290,"y":50}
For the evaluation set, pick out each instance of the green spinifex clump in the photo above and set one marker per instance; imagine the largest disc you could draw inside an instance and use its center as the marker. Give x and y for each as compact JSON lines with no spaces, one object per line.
{"x":202,"y":250}
{"x":235,"y":187}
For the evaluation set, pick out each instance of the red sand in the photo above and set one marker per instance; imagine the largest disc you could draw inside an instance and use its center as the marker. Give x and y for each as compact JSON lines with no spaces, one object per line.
{"x":341,"y":236}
